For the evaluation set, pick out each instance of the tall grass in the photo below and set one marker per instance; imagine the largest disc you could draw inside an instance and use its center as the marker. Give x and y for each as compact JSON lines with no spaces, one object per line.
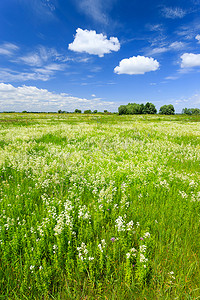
{"x":99,"y":207}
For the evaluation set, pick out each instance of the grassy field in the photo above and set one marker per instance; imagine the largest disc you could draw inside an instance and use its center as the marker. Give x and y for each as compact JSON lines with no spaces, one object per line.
{"x":99,"y":207}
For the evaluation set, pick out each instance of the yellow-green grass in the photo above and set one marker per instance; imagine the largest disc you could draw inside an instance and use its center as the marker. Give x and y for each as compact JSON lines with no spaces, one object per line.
{"x":99,"y":206}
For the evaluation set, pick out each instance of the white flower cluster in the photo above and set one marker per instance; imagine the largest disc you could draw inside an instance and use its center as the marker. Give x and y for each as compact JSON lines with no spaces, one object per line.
{"x":142,"y":258}
{"x":64,"y":219}
{"x":83,"y":213}
{"x":83,"y":253}
{"x":120,"y":224}
{"x":147,"y":235}
{"x":130,"y":225}
{"x":102,"y":245}
{"x":132,"y":252}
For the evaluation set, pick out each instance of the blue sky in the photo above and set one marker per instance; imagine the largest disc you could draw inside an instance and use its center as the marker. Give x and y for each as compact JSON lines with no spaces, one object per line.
{"x":68,"y":54}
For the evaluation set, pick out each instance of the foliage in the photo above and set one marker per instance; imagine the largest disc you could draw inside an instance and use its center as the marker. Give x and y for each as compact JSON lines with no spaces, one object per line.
{"x":167,"y":110}
{"x":122,"y":110}
{"x":136,"y":109}
{"x":191,"y":111}
{"x":87,"y":111}
{"x":61,"y":111}
{"x":77,"y":111}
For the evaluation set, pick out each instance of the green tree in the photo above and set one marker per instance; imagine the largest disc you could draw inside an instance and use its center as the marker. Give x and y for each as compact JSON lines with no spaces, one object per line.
{"x":133,"y":108}
{"x":87,"y":111}
{"x":149,"y":108}
{"x":77,"y":111}
{"x":167,"y":110}
{"x":122,"y":110}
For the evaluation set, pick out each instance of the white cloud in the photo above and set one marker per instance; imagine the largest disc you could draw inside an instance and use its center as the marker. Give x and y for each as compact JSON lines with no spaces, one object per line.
{"x":197,"y":37}
{"x":175,"y":46}
{"x":97,"y":10}
{"x":8,"y":49}
{"x":40,"y":56}
{"x":190,"y":60}
{"x":33,"y":99}
{"x":94,"y":9}
{"x":89,"y":41}
{"x":137,"y":65}
{"x":7,"y":75}
{"x":158,"y":50}
{"x":31,"y":60}
{"x":173,"y":12}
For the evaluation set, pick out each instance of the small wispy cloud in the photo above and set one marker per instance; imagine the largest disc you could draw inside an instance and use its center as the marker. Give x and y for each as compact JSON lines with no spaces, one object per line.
{"x":175,"y":46}
{"x":189,"y":31}
{"x":8,"y":49}
{"x":97,"y":10}
{"x":40,"y":56}
{"x":9,"y":75}
{"x":94,"y":9}
{"x":43,"y":9}
{"x":173,"y":12}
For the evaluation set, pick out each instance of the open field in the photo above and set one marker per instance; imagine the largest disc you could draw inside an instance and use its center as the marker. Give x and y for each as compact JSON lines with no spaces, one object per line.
{"x":99,"y":207}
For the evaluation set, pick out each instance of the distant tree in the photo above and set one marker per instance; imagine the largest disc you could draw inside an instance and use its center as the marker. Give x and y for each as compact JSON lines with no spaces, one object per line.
{"x":191,"y":111}
{"x":186,"y":111}
{"x":195,"y":111}
{"x":95,"y":111}
{"x":24,"y":111}
{"x":105,"y":111}
{"x":87,"y":111}
{"x":167,"y":110}
{"x":149,"y":108}
{"x":77,"y":111}
{"x":122,"y":110}
{"x":133,"y":108}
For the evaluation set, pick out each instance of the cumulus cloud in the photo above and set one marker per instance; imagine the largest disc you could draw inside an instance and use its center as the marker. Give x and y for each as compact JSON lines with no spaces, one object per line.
{"x":90,"y":42}
{"x":137,"y":65}
{"x":190,"y":60}
{"x":33,"y":99}
{"x":197,"y":37}
{"x":173,"y":12}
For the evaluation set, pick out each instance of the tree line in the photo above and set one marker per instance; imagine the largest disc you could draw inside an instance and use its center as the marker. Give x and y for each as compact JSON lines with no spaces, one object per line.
{"x":191,"y":111}
{"x":148,"y":108}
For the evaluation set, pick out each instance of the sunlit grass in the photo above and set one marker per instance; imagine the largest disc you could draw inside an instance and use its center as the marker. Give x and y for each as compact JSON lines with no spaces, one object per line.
{"x":99,"y":207}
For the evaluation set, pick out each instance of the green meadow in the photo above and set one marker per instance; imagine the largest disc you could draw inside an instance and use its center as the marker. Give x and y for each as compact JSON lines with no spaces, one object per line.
{"x":99,"y":206}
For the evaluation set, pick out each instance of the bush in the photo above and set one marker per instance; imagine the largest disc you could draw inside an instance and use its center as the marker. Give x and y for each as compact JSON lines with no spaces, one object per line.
{"x":167,"y":110}
{"x":87,"y":111}
{"x":77,"y":111}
